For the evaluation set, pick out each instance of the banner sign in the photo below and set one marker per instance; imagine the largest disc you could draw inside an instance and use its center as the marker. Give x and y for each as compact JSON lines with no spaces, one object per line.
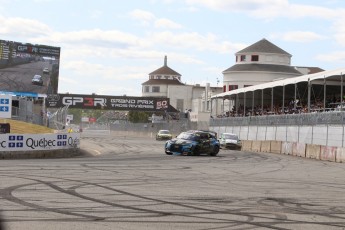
{"x":5,"y":106}
{"x":107,"y":102}
{"x":31,"y":142}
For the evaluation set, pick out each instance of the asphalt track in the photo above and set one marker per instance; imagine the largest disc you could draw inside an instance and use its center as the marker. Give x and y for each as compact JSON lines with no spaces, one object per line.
{"x":129,"y":183}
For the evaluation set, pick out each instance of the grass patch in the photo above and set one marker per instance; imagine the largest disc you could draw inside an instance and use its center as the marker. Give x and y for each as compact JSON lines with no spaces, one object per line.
{"x":22,"y":127}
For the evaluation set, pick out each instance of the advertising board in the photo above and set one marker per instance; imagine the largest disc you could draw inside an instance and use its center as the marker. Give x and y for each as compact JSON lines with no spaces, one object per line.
{"x":5,"y":106}
{"x":108,"y":102}
{"x":32,"y":142}
{"x":28,"y":69}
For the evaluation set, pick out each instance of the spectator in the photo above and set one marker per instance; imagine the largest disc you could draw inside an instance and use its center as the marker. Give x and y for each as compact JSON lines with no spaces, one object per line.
{"x":186,"y":113}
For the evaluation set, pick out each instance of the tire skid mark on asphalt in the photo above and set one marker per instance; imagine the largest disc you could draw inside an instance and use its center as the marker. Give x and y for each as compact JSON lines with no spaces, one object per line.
{"x":7,"y":194}
{"x":90,"y":166}
{"x":251,"y":216}
{"x":211,"y":211}
{"x":302,"y":208}
{"x":158,"y":213}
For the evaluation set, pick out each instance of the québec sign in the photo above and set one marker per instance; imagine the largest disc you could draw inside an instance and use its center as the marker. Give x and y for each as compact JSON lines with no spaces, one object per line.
{"x":32,"y":142}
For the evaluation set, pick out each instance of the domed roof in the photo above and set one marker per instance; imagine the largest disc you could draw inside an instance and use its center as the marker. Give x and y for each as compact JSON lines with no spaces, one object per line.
{"x":263,"y":46}
{"x":165,"y":70}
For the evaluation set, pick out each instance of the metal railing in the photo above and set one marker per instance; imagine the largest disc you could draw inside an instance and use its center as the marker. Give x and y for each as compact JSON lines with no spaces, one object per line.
{"x":334,"y":118}
{"x":57,"y":119}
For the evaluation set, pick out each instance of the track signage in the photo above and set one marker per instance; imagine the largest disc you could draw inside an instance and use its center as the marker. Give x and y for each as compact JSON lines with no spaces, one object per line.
{"x":107,"y":102}
{"x":5,"y":106}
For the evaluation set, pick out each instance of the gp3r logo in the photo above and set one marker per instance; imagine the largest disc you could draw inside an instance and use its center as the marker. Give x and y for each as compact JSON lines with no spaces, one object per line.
{"x":85,"y":101}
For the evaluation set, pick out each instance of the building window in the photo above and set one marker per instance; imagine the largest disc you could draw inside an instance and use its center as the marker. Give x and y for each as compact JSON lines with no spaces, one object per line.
{"x":236,"y":58}
{"x":233,"y":87}
{"x":146,"y":89}
{"x":155,"y":89}
{"x":255,"y":57}
{"x":243,"y":57}
{"x":224,"y":88}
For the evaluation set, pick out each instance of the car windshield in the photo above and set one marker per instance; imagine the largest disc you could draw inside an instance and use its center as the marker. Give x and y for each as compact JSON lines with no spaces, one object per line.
{"x":188,"y":136}
{"x":37,"y":77}
{"x":231,"y":136}
{"x":164,"y":132}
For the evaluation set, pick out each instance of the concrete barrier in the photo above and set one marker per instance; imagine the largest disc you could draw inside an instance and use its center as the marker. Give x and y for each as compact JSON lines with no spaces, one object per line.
{"x":265,"y":146}
{"x":298,"y":149}
{"x":340,"y":155}
{"x":313,"y":151}
{"x":246,"y":145}
{"x":328,"y":153}
{"x":256,"y":146}
{"x":286,"y":148}
{"x":276,"y":146}
{"x":58,"y":153}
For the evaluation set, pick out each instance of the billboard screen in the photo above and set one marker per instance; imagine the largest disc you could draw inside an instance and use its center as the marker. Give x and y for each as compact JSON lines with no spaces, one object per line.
{"x":108,"y":102}
{"x":28,"y":69}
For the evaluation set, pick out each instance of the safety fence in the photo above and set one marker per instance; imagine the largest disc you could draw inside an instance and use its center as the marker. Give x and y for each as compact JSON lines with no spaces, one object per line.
{"x":317,"y":135}
{"x":57,"y":119}
{"x":150,"y":129}
{"x":327,"y":135}
{"x":333,"y":117}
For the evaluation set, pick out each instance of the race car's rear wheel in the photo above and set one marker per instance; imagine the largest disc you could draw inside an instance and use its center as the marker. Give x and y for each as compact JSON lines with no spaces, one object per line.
{"x":215,"y":150}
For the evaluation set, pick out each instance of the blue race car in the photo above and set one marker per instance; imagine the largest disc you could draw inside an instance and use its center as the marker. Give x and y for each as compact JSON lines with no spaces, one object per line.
{"x":193,"y":142}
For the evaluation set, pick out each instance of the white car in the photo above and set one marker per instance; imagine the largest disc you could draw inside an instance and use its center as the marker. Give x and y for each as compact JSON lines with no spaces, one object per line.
{"x":37,"y":80}
{"x":230,"y":141}
{"x":46,"y":70}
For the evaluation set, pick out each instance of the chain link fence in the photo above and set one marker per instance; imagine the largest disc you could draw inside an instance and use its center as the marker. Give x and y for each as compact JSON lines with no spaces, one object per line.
{"x":56,"y":119}
{"x":150,"y":129}
{"x":325,"y":118}
{"x":315,"y":128}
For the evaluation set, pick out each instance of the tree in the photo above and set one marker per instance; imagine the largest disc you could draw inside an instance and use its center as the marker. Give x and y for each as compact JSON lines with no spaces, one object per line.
{"x":138,"y":116}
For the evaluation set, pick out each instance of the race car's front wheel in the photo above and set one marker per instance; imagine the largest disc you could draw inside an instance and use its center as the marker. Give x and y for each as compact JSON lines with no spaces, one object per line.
{"x":196,"y":151}
{"x":215,"y":150}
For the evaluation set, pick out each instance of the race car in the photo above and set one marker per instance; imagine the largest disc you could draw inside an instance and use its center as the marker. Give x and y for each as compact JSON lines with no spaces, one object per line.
{"x":193,"y":142}
{"x":163,"y":134}
{"x":230,"y":141}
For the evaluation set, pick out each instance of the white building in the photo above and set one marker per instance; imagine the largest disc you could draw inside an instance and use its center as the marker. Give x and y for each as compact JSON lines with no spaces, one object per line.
{"x":166,"y":82}
{"x":259,"y":63}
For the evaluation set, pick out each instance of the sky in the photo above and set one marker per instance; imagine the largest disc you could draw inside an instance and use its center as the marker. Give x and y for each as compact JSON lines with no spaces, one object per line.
{"x":109,"y":47}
